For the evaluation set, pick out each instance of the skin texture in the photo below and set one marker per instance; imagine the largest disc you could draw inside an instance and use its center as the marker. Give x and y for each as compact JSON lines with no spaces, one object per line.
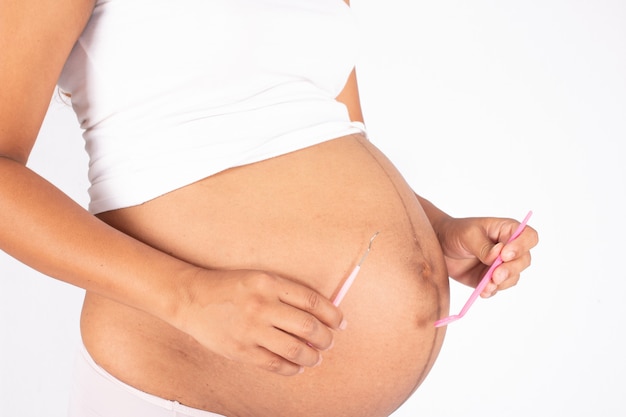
{"x":390,"y":310}
{"x":216,"y":285}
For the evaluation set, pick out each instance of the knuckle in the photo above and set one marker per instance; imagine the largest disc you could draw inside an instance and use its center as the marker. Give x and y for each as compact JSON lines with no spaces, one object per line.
{"x":253,"y":307}
{"x":313,"y":301}
{"x":236,"y":351}
{"x":309,"y":326}
{"x":534,"y":236}
{"x":293,"y":351}
{"x":265,"y":282}
{"x":484,"y":251}
{"x":274,"y":364}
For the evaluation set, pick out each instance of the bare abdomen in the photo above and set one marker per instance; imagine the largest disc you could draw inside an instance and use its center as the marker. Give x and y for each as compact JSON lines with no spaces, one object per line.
{"x":309,"y":216}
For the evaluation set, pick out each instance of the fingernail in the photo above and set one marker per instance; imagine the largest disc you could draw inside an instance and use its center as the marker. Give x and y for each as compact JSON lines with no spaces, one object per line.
{"x":508,"y":256}
{"x":343,"y":324}
{"x":318,"y":362}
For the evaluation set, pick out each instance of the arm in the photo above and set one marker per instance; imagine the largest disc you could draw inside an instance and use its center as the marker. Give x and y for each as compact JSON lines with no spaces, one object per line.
{"x":350,"y":97}
{"x":45,"y":229}
{"x":41,"y":226}
{"x":470,"y":245}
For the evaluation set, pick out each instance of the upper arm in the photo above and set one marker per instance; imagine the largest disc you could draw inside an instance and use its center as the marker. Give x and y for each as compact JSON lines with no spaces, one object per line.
{"x":350,"y":95}
{"x":36,"y":37}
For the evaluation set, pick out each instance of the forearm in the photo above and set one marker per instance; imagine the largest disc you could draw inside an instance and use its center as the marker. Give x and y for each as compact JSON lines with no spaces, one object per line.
{"x":435,"y":215}
{"x":45,"y":229}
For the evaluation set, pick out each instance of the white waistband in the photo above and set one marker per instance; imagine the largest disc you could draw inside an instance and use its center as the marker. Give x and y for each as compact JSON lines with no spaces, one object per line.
{"x":91,"y":374}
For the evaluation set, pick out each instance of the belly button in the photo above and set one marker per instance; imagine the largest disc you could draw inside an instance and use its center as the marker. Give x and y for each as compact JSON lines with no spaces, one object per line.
{"x":425,"y":270}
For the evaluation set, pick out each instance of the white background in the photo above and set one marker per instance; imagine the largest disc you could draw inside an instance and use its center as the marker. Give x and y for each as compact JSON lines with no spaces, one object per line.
{"x":488,"y":108}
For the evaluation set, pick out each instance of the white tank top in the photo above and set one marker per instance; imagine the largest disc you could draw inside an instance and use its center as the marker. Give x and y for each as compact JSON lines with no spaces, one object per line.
{"x":171,"y":91}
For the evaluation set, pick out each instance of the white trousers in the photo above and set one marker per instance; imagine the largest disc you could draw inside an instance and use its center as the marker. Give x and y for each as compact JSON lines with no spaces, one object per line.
{"x":96,"y":393}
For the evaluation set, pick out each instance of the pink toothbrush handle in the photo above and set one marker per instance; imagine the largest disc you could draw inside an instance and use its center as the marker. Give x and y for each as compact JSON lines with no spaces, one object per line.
{"x":481,"y":286}
{"x":348,"y":282}
{"x":346,"y":285}
{"x":485,"y":280}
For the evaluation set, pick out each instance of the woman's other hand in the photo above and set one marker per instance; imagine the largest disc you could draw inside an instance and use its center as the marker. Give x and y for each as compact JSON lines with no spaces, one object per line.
{"x":471,"y":245}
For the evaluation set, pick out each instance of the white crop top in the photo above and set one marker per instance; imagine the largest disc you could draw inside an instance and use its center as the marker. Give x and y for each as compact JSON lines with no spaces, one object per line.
{"x":171,"y":91}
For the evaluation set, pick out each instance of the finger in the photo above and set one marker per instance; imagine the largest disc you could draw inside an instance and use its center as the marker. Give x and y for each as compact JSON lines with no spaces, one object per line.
{"x":527,"y":240}
{"x":482,"y":246}
{"x":314,"y":303}
{"x":272,"y":362}
{"x":490,"y":290}
{"x":304,"y":326}
{"x":508,"y":274}
{"x":505,"y":276}
{"x":291,"y":348}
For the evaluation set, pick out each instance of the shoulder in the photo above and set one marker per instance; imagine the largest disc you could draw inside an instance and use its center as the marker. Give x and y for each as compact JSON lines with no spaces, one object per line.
{"x":36,"y":37}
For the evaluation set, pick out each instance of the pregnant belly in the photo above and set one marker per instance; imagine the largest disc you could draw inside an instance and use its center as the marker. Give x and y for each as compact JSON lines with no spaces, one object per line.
{"x":308,"y":216}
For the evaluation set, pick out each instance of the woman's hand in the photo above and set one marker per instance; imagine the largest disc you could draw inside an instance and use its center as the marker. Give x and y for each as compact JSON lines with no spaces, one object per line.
{"x":471,"y":245}
{"x":260,"y":318}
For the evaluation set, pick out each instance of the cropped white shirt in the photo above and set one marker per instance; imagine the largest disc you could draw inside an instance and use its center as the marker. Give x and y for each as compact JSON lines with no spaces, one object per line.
{"x":171,"y":91}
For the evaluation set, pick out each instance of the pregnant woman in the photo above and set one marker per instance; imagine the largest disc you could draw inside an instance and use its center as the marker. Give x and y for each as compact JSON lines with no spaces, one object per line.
{"x":233,"y":189}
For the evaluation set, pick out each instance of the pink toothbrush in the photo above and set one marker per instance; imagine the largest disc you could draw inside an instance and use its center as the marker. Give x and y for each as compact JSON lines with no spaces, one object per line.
{"x":484,"y":281}
{"x":348,"y":282}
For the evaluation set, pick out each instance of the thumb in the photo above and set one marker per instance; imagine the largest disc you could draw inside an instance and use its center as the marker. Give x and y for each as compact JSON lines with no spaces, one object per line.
{"x":487,"y":251}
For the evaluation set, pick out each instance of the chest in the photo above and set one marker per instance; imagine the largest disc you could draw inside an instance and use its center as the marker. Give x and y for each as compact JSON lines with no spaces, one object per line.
{"x":219,"y":43}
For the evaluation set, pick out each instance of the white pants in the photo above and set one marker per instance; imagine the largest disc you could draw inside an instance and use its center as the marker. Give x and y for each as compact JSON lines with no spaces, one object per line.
{"x":96,"y":393}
